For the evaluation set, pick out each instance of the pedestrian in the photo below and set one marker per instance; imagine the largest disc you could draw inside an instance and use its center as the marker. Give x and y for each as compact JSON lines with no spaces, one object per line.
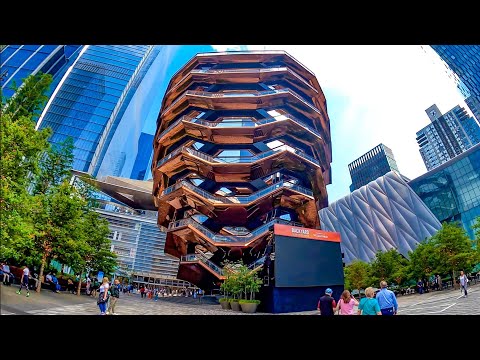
{"x":346,"y":304}
{"x":24,"y":280}
{"x":369,"y":305}
{"x":387,"y":300}
{"x":326,"y":304}
{"x":7,"y":275}
{"x":463,"y":279}
{"x":103,"y":296}
{"x":420,"y":286}
{"x":114,"y":296}
{"x":89,"y":284}
{"x":70,"y":286}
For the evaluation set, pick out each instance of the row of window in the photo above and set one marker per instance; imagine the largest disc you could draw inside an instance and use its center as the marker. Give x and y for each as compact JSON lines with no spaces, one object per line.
{"x":88,"y":97}
{"x":98,"y":78}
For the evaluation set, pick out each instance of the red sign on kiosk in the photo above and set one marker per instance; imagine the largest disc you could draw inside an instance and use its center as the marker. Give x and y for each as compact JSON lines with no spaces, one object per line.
{"x":305,"y":233}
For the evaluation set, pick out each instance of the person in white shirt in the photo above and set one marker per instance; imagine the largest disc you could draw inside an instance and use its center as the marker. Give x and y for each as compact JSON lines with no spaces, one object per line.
{"x":463,"y":282}
{"x":103,"y":296}
{"x":24,"y":280}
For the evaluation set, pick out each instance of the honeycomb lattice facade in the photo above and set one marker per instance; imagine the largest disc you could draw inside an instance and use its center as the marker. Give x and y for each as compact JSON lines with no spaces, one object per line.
{"x":242,"y":142}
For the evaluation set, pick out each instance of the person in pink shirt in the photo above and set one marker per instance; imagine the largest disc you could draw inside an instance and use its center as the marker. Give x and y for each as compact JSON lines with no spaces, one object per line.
{"x":346,"y":304}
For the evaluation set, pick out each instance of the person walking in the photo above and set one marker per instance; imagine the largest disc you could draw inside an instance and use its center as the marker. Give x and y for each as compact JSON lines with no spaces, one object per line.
{"x":89,"y":284}
{"x":114,"y":296}
{"x":24,"y":280}
{"x":326,"y":304}
{"x":103,"y":296}
{"x":369,"y":305}
{"x":346,"y":304}
{"x":463,"y":283}
{"x":387,"y":300}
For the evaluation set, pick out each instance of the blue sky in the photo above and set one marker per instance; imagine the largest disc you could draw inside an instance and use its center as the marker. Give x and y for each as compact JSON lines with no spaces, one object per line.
{"x":374,"y":94}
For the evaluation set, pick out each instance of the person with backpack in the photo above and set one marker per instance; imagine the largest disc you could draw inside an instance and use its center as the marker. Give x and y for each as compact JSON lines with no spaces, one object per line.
{"x":114,"y":296}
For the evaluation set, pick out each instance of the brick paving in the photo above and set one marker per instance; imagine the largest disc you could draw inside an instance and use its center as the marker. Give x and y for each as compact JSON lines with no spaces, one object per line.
{"x":446,"y":302}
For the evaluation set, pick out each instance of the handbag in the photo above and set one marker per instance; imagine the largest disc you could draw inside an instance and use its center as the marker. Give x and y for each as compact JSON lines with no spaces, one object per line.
{"x":101,"y":299}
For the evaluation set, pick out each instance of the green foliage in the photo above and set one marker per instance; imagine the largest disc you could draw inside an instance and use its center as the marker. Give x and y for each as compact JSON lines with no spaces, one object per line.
{"x":44,"y":216}
{"x":249,"y":301}
{"x":387,"y":266}
{"x":240,"y":281}
{"x":357,"y":274}
{"x":21,"y":148}
{"x":423,"y":260}
{"x":454,"y":249}
{"x":30,"y":98}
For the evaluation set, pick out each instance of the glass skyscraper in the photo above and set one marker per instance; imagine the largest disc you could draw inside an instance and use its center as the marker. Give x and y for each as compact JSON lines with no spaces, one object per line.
{"x":19,"y":61}
{"x":447,"y":136}
{"x":464,"y":60}
{"x":91,"y":98}
{"x":145,"y":152}
{"x":101,"y":96}
{"x":371,"y":165}
{"x":452,"y":190}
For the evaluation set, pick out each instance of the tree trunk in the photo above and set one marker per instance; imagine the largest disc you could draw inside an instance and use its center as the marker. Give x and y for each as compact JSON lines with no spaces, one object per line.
{"x":40,"y":273}
{"x":79,"y":286}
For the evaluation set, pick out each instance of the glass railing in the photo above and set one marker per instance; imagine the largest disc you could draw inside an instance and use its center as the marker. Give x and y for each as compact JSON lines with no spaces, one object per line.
{"x":239,"y":199}
{"x":257,"y":263}
{"x":249,"y":71}
{"x":240,"y":122}
{"x":241,"y":94}
{"x":238,"y":159}
{"x":223,"y":238}
{"x":201,"y":257}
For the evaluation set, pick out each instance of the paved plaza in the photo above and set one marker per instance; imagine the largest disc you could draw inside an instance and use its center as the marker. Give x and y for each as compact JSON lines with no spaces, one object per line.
{"x":446,"y":302}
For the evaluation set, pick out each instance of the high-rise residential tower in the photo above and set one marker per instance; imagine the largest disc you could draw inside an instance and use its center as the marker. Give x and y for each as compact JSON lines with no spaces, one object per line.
{"x":371,"y":165}
{"x":242,"y":143}
{"x":447,"y":136}
{"x":464,"y":61}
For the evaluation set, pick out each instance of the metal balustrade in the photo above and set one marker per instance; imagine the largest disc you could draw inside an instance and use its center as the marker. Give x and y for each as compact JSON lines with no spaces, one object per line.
{"x":242,"y":122}
{"x":242,"y":94}
{"x":237,"y":159}
{"x":203,"y":259}
{"x":223,"y":238}
{"x":238,"y":199}
{"x":257,"y":263}
{"x":199,"y":256}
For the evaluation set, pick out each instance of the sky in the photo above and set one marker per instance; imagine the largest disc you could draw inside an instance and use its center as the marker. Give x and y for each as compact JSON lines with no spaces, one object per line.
{"x":375,"y":94}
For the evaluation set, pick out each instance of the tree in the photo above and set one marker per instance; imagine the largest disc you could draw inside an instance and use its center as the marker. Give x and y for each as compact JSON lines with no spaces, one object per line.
{"x":357,"y":274}
{"x":476,"y":229}
{"x":30,"y":98}
{"x":92,"y":250}
{"x":454,"y":249}
{"x":386,"y":265}
{"x":57,"y":217}
{"x":423,"y":260}
{"x":21,"y":148}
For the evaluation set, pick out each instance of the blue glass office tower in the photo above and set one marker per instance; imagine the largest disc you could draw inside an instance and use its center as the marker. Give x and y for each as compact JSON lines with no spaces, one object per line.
{"x":452,"y":190}
{"x":19,"y":61}
{"x":145,"y":151}
{"x":464,"y":60}
{"x":91,"y":98}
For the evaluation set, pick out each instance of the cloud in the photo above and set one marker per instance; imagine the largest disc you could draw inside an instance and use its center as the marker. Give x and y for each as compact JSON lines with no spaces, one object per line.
{"x":375,"y":94}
